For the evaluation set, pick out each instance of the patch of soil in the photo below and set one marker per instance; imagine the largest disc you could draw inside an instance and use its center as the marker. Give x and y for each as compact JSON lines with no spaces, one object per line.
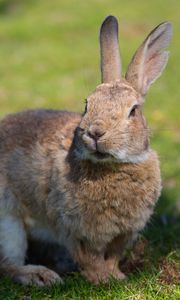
{"x":169,"y":272}
{"x":136,"y":258}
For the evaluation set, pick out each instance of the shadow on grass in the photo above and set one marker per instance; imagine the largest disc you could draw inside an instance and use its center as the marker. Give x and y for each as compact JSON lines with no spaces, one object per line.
{"x":163,"y":231}
{"x":158,"y":251}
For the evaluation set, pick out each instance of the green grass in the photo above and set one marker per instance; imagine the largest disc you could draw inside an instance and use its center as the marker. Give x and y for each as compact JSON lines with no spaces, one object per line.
{"x":49,"y":57}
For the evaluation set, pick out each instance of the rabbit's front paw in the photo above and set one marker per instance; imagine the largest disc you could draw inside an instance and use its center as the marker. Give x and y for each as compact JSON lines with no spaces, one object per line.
{"x":118,"y":275}
{"x":36,"y":275}
{"x":102,"y":277}
{"x":112,"y":266}
{"x":95,"y":277}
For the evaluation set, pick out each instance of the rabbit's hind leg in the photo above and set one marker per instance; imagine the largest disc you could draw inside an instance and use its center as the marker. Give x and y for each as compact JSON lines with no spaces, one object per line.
{"x":13,"y":246}
{"x":13,"y":243}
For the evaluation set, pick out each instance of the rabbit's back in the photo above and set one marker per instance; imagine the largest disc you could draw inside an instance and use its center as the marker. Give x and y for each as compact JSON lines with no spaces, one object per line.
{"x":26,"y":128}
{"x":29,"y":142}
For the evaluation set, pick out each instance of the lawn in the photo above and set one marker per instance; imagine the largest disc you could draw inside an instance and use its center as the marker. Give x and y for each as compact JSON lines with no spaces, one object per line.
{"x":49,"y":57}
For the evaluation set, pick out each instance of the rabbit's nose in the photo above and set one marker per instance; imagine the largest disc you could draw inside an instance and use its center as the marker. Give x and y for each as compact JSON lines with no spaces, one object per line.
{"x":95,"y":133}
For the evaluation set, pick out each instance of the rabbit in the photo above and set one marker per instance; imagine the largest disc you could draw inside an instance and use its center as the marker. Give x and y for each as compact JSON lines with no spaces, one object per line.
{"x":89,"y":182}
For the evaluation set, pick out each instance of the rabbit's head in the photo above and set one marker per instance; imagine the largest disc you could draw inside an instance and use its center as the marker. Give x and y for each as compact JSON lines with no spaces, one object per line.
{"x":113,"y":127}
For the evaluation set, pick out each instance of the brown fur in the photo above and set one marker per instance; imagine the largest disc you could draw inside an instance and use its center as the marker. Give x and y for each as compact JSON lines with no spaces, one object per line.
{"x":87,"y":182}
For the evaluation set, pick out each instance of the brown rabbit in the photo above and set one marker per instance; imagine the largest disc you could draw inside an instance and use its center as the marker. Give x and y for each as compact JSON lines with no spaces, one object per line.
{"x":88,"y":182}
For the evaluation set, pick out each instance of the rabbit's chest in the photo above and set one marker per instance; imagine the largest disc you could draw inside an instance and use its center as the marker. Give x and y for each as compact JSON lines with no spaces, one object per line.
{"x":102,"y":203}
{"x":113,"y":207}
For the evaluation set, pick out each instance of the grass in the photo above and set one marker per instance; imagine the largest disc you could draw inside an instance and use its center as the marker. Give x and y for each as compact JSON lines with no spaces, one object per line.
{"x":49,"y":57}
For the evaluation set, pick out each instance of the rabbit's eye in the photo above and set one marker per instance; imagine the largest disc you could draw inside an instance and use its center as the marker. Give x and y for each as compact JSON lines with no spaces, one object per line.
{"x":133,"y":111}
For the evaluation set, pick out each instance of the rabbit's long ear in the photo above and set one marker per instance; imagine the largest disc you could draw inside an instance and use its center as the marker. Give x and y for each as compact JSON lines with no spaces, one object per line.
{"x":109,"y":46}
{"x":150,"y":59}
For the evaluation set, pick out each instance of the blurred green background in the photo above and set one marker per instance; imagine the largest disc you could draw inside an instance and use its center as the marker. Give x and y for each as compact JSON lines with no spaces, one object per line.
{"x":49,"y":57}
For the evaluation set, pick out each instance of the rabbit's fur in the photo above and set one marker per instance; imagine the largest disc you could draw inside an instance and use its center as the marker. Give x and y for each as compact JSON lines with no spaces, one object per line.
{"x":89,"y":182}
